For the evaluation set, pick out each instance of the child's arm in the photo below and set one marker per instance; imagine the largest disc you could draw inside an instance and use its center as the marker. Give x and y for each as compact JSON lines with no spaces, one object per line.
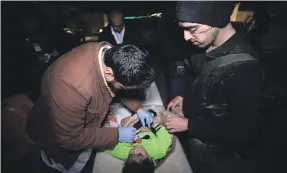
{"x":163,"y":136}
{"x":121,"y":151}
{"x":163,"y":141}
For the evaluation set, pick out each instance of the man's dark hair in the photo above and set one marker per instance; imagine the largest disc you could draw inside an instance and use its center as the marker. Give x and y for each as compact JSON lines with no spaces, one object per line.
{"x":115,"y":11}
{"x":130,"y":65}
{"x":145,"y":166}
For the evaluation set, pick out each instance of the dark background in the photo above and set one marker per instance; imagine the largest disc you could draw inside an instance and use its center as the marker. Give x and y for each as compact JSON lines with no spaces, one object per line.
{"x":22,"y":70}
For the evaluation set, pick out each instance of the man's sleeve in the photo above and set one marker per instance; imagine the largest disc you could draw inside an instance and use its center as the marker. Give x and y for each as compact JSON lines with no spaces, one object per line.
{"x":240,"y":123}
{"x":67,"y":110}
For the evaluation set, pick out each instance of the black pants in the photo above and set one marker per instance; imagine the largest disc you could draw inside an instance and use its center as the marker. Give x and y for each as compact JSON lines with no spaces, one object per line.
{"x":90,"y":164}
{"x":206,"y":159}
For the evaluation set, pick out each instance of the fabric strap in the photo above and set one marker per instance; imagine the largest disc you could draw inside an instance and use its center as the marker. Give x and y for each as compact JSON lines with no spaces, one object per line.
{"x":225,"y":61}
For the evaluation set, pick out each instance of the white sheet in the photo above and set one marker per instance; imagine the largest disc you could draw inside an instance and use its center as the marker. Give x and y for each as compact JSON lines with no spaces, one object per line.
{"x":176,"y":162}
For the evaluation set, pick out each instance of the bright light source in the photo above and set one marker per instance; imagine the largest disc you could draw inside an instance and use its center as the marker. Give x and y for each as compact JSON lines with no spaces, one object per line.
{"x":106,"y":20}
{"x":91,"y":38}
{"x":67,"y":30}
{"x":140,"y":17}
{"x":156,"y":15}
{"x":136,"y":17}
{"x":101,"y":30}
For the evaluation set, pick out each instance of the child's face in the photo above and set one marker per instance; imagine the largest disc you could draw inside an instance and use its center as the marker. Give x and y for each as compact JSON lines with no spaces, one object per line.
{"x":138,"y":154}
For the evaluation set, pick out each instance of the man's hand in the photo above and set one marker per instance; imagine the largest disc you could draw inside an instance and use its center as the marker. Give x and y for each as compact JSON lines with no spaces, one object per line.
{"x":176,"y":103}
{"x":176,"y":124}
{"x":145,"y":116}
{"x":127,"y":134}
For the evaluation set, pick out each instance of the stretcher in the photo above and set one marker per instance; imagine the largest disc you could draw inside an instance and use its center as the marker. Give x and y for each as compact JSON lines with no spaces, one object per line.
{"x":176,"y":160}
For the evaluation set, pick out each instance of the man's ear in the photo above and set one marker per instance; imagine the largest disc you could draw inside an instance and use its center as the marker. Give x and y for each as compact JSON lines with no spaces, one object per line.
{"x":109,"y":74}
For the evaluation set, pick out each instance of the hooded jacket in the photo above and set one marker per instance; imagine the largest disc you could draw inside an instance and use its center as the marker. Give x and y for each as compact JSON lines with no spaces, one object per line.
{"x":75,"y":99}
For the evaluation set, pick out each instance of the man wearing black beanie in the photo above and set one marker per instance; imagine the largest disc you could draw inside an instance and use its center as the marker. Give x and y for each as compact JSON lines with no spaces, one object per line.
{"x":221,"y":107}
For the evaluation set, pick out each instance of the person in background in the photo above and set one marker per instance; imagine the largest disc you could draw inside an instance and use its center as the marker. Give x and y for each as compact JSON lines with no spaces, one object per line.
{"x":220,"y":116}
{"x":77,"y":89}
{"x":117,"y":32}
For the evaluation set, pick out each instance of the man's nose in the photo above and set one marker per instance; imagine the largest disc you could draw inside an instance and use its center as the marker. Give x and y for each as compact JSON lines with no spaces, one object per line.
{"x":187,"y":35}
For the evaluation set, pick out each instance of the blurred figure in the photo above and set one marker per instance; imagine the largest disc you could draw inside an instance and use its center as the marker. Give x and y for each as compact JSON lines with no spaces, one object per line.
{"x":268,"y":36}
{"x":220,"y":106}
{"x":117,"y":32}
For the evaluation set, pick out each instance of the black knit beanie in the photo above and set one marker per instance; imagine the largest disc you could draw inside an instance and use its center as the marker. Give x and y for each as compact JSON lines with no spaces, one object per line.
{"x":211,"y":13}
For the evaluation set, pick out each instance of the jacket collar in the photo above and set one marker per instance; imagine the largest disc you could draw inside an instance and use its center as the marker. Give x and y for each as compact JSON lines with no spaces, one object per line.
{"x":100,"y":58}
{"x":226,"y":47}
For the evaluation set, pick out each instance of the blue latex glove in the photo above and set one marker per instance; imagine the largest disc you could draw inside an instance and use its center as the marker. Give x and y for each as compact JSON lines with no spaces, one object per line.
{"x":127,"y":134}
{"x":145,"y":117}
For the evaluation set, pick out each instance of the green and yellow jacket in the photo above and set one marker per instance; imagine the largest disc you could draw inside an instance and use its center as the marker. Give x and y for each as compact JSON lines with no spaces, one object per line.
{"x":156,"y":144}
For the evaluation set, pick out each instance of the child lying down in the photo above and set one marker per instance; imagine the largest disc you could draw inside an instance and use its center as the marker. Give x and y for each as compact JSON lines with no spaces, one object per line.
{"x":150,"y":145}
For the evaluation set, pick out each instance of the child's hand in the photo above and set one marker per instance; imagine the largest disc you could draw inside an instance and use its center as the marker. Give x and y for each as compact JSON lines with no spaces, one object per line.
{"x":159,"y":119}
{"x":129,"y":121}
{"x":177,"y":111}
{"x":144,"y":129}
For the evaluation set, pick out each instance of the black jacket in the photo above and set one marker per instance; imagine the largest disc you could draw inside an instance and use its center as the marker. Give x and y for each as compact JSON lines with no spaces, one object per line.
{"x":227,"y":115}
{"x":130,"y":36}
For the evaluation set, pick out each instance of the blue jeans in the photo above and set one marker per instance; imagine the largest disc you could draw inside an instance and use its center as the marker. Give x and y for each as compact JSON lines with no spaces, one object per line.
{"x":179,"y":86}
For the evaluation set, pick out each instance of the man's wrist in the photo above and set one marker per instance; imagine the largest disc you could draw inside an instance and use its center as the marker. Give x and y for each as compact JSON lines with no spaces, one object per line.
{"x":138,"y":108}
{"x":187,"y":123}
